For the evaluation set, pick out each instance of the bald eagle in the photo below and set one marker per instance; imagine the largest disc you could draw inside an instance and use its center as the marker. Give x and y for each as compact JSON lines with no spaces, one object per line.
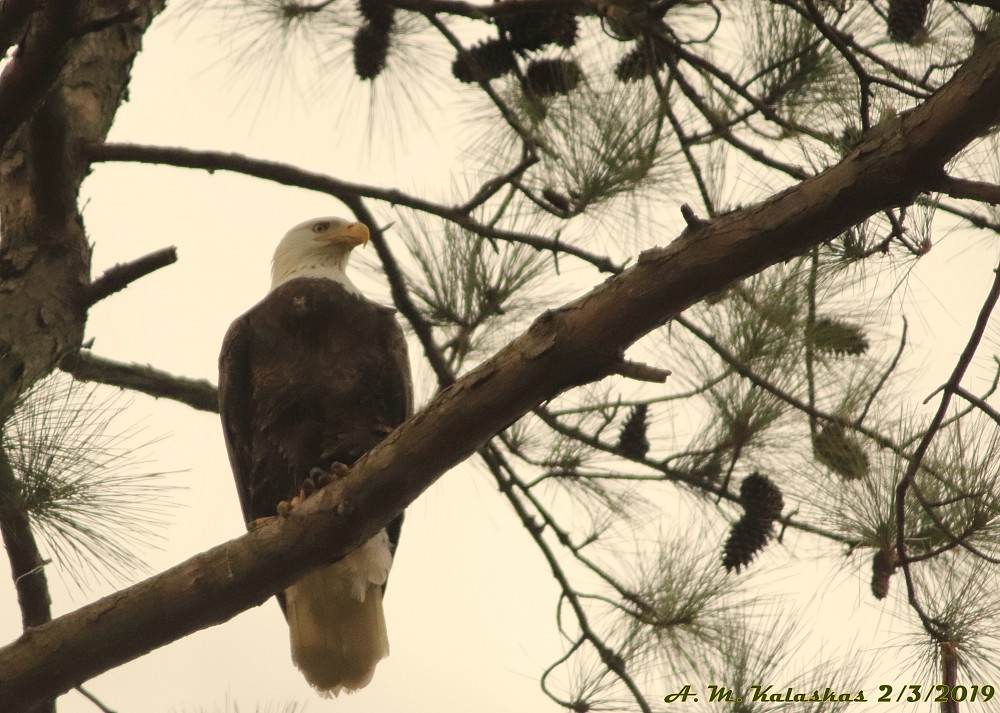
{"x":310,"y":378}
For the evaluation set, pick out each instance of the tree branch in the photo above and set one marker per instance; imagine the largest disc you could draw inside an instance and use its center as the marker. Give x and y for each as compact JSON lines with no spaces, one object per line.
{"x":120,"y":276}
{"x":196,"y":393}
{"x":343,"y":191}
{"x":571,"y":345}
{"x":971,"y":190}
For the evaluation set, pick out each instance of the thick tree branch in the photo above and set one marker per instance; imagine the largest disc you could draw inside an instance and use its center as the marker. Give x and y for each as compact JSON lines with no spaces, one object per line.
{"x":196,"y":393}
{"x":571,"y":345}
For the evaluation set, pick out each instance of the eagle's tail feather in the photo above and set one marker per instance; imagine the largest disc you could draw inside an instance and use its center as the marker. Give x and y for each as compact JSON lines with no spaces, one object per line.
{"x":336,"y":621}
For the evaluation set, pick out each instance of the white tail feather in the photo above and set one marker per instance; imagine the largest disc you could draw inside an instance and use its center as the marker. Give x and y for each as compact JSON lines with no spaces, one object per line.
{"x":336,"y":621}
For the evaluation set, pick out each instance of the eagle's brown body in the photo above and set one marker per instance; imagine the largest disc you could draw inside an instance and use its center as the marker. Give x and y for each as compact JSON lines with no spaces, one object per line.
{"x":313,"y":375}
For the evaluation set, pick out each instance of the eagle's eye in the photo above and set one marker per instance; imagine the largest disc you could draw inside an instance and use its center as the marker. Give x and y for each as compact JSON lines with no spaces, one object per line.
{"x":321,"y":227}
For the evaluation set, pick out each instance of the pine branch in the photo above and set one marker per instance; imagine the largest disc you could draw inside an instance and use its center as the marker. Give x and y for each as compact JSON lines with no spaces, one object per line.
{"x":609,"y":657}
{"x":344,"y":191}
{"x":196,"y":393}
{"x":908,"y":479}
{"x":120,"y":276}
{"x":563,"y":348}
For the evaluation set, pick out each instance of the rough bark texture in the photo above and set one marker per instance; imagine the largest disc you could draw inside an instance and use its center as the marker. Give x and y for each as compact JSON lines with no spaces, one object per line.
{"x":60,"y":91}
{"x":564,"y":347}
{"x":44,"y":255}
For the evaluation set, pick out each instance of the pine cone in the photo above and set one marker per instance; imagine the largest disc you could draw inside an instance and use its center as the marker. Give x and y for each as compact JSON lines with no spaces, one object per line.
{"x":548,"y":77}
{"x":884,"y":565}
{"x":761,"y":498}
{"x":377,"y":13}
{"x":371,"y":48}
{"x":835,"y":336}
{"x":632,"y":66}
{"x":566,"y":30}
{"x":906,"y":19}
{"x":642,"y":61}
{"x":530,"y":31}
{"x":493,"y":57}
{"x":632,"y":442}
{"x":840,"y":453}
{"x":747,"y":537}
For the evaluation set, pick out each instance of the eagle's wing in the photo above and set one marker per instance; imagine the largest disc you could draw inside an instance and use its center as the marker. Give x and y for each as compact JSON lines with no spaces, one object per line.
{"x":235,"y":394}
{"x":396,"y":346}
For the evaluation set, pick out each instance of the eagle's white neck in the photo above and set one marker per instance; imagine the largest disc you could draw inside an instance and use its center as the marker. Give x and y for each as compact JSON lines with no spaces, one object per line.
{"x":290,"y":262}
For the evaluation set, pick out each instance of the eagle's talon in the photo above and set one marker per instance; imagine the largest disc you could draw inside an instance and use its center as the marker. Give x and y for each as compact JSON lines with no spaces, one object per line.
{"x":322,"y":478}
{"x":260,"y":522}
{"x":285,"y":507}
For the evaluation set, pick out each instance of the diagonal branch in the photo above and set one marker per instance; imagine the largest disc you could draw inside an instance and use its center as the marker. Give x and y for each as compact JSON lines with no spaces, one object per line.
{"x":571,"y":345}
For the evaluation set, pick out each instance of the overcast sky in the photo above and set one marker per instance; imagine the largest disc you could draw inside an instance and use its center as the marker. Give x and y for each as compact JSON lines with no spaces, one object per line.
{"x":470,"y":606}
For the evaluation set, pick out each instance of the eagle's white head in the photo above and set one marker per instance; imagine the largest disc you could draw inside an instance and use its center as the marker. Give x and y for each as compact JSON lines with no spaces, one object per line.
{"x":317,"y":248}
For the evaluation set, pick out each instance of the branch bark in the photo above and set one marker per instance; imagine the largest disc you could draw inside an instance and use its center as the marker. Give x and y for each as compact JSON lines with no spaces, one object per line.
{"x":576,"y":343}
{"x":196,"y":393}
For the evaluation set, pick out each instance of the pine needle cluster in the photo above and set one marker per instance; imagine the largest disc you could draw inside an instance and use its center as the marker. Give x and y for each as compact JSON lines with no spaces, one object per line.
{"x":78,"y":479}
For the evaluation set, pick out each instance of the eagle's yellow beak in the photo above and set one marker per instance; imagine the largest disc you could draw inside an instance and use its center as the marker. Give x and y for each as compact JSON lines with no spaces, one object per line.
{"x":355,"y":234}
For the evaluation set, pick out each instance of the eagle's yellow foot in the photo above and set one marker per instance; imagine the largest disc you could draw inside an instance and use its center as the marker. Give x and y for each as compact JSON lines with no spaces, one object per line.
{"x":260,"y":522}
{"x":286,"y":506}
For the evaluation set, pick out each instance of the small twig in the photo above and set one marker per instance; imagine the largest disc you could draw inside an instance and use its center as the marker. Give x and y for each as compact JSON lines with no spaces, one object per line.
{"x":123,"y":274}
{"x":94,"y":699}
{"x":641,"y":372}
{"x":979,"y":403}
{"x":870,"y":401}
{"x":609,"y":657}
{"x":196,"y":393}
{"x":492,"y":186}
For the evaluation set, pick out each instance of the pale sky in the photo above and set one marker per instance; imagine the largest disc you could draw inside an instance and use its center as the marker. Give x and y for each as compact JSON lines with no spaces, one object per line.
{"x":471,"y":603}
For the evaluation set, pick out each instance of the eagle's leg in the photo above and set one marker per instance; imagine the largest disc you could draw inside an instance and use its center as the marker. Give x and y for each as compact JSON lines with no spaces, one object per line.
{"x":318,"y":478}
